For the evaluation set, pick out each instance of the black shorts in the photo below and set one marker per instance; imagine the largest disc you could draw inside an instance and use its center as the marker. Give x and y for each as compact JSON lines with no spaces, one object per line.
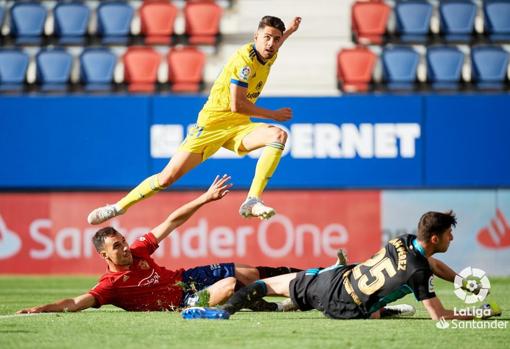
{"x":322,"y":289}
{"x":198,"y":278}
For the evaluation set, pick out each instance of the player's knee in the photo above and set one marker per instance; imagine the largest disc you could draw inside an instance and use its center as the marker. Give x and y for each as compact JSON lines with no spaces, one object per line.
{"x":166,"y":179}
{"x":230,"y":286}
{"x":278,"y":135}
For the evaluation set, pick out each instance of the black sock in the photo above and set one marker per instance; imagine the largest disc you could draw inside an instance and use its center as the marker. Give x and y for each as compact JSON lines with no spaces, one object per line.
{"x":263,"y":305}
{"x":238,"y":285}
{"x":267,"y":272}
{"x":245,"y":297}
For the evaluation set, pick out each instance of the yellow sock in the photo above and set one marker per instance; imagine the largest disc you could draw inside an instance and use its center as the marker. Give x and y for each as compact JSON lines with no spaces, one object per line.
{"x":147,"y":188}
{"x":266,"y":166}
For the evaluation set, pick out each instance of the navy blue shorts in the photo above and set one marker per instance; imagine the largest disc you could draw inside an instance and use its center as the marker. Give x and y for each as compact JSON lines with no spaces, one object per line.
{"x":198,"y":278}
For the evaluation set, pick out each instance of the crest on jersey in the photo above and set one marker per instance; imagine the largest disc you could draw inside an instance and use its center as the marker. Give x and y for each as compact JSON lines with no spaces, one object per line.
{"x":245,"y":73}
{"x":144,"y":265}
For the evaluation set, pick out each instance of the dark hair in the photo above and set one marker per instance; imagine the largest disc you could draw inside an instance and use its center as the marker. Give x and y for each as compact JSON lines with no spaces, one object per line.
{"x":270,"y":21}
{"x":101,"y":235}
{"x":435,"y":223}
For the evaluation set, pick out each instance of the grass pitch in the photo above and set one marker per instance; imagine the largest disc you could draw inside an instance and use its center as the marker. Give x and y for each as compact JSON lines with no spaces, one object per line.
{"x":109,"y":327}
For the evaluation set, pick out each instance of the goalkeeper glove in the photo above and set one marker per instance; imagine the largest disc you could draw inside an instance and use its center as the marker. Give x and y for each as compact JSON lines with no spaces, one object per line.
{"x":490,"y":309}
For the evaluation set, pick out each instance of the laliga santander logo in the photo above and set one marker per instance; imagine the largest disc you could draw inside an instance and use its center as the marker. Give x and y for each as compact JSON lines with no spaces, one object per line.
{"x":10,"y":243}
{"x":470,"y":274}
{"x":442,"y":324}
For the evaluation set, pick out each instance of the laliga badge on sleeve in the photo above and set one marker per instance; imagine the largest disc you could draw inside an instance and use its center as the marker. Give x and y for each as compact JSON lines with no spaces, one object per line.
{"x":245,"y":73}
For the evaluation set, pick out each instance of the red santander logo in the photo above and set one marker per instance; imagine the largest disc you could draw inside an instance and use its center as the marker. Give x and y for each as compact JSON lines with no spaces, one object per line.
{"x":10,"y":243}
{"x":496,"y":235}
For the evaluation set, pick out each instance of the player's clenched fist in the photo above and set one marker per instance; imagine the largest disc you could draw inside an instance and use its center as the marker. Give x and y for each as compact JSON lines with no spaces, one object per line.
{"x":282,"y":114}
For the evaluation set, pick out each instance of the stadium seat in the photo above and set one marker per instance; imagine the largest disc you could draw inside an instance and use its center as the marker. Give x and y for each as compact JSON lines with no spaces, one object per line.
{"x":185,"y":69}
{"x":97,"y":66}
{"x":497,"y":19}
{"x":400,"y":66}
{"x":158,"y":19}
{"x":444,"y":67}
{"x":114,"y":22}
{"x":202,"y":22}
{"x":354,"y":69}
{"x":413,"y":20}
{"x":457,"y":19}
{"x":489,"y":66}
{"x":13,"y":69}
{"x":53,"y":69}
{"x":71,"y":22}
{"x":27,"y":22}
{"x":141,"y":68}
{"x":369,"y":20}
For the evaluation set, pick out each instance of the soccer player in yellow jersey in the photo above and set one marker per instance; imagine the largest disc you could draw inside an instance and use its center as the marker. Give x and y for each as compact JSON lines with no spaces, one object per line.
{"x":225,"y":122}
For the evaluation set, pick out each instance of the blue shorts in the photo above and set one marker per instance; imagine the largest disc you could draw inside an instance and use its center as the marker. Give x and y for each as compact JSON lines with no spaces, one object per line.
{"x":198,"y":278}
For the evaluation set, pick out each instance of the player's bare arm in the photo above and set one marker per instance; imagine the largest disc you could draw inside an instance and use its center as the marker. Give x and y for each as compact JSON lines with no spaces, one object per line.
{"x":240,"y":104}
{"x":218,"y":189}
{"x":81,"y":302}
{"x":291,"y":28}
{"x":436,"y":310}
{"x":441,"y":270}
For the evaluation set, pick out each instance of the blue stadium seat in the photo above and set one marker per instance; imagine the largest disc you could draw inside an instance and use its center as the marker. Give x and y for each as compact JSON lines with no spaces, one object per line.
{"x":27,"y":22}
{"x":497,"y":19}
{"x":97,"y":66}
{"x":400,"y":65}
{"x":13,"y":69}
{"x":489,"y":66}
{"x":457,"y":19}
{"x":114,"y":21}
{"x":53,"y":69}
{"x":444,"y":67}
{"x":71,"y":22}
{"x":413,"y":20}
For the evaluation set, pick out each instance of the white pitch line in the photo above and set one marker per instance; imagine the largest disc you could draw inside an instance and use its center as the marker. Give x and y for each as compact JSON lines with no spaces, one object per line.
{"x":24,"y":315}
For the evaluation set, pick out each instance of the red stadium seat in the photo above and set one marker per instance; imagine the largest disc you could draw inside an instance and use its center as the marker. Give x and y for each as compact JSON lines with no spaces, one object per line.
{"x":202,"y":21}
{"x":369,"y":20}
{"x":158,"y":19}
{"x":141,"y":66}
{"x":354,"y":68}
{"x":185,"y":69}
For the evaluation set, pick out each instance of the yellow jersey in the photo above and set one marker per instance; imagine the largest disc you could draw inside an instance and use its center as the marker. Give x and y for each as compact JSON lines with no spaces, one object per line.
{"x":245,"y":68}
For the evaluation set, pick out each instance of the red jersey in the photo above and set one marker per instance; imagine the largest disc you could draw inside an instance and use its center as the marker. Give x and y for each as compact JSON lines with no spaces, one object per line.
{"x":146,"y":286}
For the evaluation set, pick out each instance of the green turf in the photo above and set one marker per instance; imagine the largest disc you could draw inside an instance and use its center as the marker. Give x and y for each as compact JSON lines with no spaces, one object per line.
{"x":110,"y":327}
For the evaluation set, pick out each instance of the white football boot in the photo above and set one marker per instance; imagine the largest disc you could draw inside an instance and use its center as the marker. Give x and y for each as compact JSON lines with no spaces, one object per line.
{"x":254,"y":207}
{"x":398,"y":310}
{"x":102,"y":214}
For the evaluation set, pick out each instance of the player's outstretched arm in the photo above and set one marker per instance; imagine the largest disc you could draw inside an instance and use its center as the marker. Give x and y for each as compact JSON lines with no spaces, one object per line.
{"x":436,"y":310}
{"x":240,"y":104}
{"x":218,"y":189}
{"x":81,"y":302}
{"x":291,"y":28}
{"x":441,"y":270}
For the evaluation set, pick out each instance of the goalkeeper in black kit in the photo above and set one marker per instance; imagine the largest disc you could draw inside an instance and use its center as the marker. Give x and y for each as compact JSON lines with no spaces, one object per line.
{"x":359,"y":291}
